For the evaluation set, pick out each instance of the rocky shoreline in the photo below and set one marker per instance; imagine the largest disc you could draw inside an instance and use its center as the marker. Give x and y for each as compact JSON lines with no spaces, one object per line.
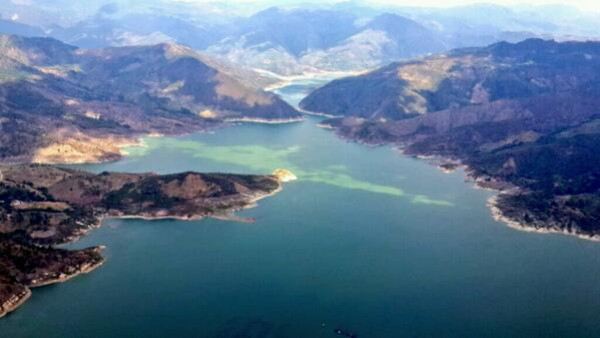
{"x":24,"y":266}
{"x":185,"y":196}
{"x":83,"y":269}
{"x":499,"y":215}
{"x":264,"y":121}
{"x":226,"y":214}
{"x":571,"y":214}
{"x":14,"y":302}
{"x":110,"y":149}
{"x":114,"y":149}
{"x":500,"y":188}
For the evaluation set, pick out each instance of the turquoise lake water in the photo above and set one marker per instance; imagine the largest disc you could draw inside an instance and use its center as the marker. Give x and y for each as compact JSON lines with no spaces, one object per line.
{"x":366,"y":240}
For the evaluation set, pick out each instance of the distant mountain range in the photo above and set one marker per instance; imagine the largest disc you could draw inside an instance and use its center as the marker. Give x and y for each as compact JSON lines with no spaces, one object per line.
{"x":297,"y":41}
{"x":64,"y":104}
{"x":349,"y":36}
{"x":524,"y":118}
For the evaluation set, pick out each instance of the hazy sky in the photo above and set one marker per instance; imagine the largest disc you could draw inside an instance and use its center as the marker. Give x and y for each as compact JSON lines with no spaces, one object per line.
{"x":583,"y":4}
{"x":589,"y":5}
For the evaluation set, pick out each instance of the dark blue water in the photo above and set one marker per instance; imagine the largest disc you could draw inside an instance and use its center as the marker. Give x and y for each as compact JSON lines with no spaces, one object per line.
{"x":366,"y":240}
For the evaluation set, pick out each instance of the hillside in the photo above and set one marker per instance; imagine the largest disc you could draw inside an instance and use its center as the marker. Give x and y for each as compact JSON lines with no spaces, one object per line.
{"x":523,"y":118}
{"x":64,"y":104}
{"x":41,"y":206}
{"x":296,"y":41}
{"x":460,"y":78}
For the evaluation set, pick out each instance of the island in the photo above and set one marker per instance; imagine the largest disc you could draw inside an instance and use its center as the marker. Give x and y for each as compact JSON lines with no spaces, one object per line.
{"x":42,"y":206}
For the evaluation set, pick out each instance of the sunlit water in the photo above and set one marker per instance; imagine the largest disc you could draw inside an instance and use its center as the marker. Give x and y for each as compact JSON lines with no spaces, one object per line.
{"x":366,"y":240}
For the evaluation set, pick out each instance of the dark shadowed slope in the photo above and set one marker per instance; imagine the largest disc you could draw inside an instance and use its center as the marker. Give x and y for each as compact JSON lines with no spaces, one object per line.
{"x":523,"y":117}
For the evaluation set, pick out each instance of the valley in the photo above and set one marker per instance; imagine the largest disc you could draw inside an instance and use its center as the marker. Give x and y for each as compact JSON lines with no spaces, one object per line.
{"x":401,"y":229}
{"x":442,"y":108}
{"x":137,"y":140}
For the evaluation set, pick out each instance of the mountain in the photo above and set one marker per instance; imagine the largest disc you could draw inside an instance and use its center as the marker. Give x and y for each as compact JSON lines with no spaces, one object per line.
{"x":295,"y":41}
{"x":522,"y":117}
{"x":17,"y":28}
{"x":275,"y":39}
{"x":482,"y":19}
{"x":292,"y":40}
{"x":460,"y":78}
{"x":65,"y":104}
{"x":411,"y":38}
{"x":370,"y":37}
{"x":383,"y":39}
{"x":296,"y":31}
{"x":136,"y":29}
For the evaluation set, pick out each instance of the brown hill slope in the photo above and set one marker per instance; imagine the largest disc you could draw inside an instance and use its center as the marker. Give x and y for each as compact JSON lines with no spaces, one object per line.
{"x":63,"y":104}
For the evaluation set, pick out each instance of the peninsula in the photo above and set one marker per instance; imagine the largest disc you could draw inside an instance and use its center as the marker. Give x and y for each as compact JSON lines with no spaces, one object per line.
{"x":41,"y":206}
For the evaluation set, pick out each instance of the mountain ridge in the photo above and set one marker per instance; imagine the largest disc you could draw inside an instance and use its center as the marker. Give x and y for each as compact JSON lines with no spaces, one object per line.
{"x":523,"y":118}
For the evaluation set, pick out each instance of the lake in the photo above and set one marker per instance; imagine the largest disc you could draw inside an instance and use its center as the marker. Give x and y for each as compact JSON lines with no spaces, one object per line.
{"x":366,"y":240}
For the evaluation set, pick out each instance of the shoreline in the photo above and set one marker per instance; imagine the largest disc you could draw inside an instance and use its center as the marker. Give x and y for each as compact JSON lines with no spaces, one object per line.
{"x":225,"y":215}
{"x":499,"y":216}
{"x":496,"y":187}
{"x":81,"y":271}
{"x":264,"y":121}
{"x":243,"y":201}
{"x":137,"y":140}
{"x":251,"y":203}
{"x":18,"y":300}
{"x":504,"y":188}
{"x":15,"y":303}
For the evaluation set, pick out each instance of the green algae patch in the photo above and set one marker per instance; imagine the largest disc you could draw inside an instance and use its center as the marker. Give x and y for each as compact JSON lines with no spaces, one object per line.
{"x":261,"y":159}
{"x":348,"y":182}
{"x":422,"y":199}
{"x":255,"y":157}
